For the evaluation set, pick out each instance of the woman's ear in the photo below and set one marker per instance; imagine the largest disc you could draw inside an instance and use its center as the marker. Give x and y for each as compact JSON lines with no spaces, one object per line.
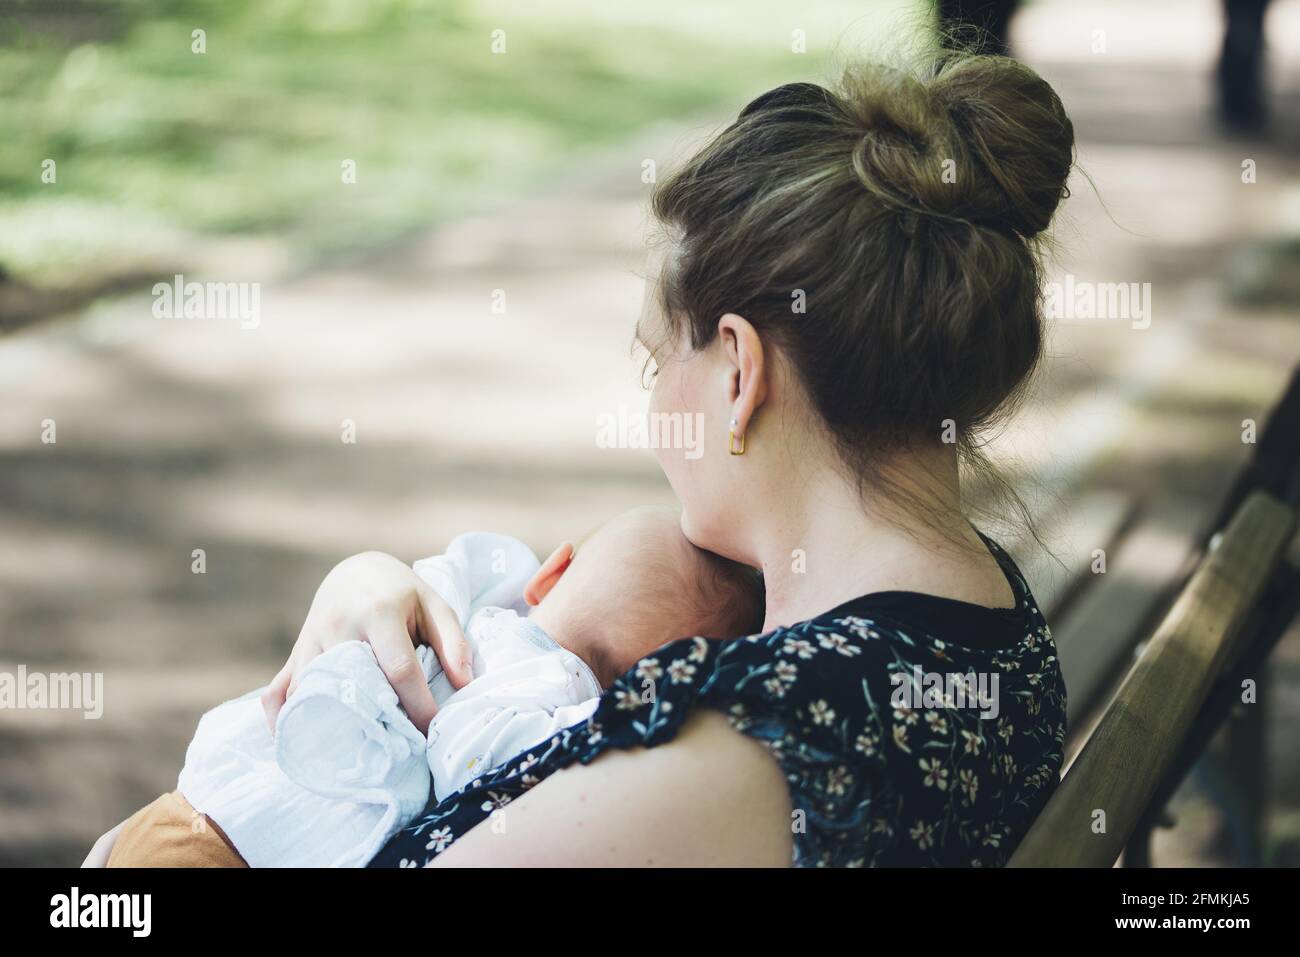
{"x":541,"y":583}
{"x":747,"y":368}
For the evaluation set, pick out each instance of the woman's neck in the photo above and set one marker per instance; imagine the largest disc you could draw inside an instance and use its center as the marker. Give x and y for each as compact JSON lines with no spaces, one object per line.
{"x":823,"y":547}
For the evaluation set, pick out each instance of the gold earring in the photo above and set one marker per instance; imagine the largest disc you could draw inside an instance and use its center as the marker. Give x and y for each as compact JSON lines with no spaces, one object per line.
{"x":732,"y":446}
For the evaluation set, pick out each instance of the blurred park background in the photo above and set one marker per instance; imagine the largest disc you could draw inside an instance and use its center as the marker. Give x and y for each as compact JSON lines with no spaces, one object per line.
{"x":517,"y":177}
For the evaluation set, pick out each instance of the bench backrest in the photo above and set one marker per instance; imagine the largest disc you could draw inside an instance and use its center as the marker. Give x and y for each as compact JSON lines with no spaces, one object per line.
{"x":1137,"y":738}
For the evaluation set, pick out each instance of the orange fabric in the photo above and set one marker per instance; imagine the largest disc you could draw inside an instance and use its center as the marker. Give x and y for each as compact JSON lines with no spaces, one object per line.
{"x":170,"y":833}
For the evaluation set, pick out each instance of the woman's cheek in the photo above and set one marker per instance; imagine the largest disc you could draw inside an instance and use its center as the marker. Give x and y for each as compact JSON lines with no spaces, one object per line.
{"x":669,"y":459}
{"x":670,"y":397}
{"x":685,"y":477}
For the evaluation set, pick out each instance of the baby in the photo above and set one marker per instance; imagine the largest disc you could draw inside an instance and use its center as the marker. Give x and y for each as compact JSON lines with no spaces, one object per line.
{"x":346,"y":768}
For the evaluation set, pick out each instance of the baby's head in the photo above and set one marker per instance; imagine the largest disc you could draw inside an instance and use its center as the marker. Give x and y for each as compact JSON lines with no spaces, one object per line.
{"x":635,"y":584}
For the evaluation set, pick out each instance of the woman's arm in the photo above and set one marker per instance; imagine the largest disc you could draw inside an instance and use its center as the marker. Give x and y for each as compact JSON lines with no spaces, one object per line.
{"x":710,"y":797}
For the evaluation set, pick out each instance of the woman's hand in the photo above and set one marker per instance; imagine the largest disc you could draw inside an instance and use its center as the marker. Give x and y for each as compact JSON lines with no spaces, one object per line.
{"x":376,"y":598}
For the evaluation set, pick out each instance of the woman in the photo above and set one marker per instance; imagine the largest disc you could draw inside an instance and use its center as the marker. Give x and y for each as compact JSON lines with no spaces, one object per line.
{"x":849,"y":295}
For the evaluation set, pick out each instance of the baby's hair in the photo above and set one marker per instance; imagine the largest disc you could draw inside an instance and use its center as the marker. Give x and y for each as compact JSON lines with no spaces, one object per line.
{"x":672,"y":590}
{"x":728,"y":597}
{"x":692,"y":593}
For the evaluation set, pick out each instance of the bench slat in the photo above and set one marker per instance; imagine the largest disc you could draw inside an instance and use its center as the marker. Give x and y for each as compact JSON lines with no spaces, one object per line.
{"x":1138,"y":736}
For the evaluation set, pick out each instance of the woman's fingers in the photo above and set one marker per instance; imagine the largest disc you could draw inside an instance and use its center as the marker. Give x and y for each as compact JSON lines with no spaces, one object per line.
{"x":379,"y":599}
{"x":442,"y":632}
{"x":275,"y":694}
{"x":396,"y":656}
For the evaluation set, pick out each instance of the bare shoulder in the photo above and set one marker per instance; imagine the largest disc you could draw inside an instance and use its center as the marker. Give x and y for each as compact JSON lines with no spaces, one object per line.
{"x":709,"y":797}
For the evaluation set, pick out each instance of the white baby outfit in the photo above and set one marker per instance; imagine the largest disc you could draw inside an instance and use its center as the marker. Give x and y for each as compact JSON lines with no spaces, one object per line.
{"x":346,"y":768}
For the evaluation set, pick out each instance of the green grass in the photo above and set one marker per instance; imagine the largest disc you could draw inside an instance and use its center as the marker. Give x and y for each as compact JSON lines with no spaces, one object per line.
{"x":157,"y":145}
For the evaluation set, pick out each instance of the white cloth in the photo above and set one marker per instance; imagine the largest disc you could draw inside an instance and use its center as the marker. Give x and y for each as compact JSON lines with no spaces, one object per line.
{"x":232,"y":776}
{"x":346,"y":768}
{"x":526,"y":688}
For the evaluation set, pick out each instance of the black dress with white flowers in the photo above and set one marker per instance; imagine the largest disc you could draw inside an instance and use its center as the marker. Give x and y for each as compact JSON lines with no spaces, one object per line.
{"x":912,"y":730}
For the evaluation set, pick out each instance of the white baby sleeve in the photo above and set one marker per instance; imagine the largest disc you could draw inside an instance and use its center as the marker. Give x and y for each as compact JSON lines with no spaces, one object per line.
{"x":231,"y":775}
{"x":480,"y":570}
{"x":343,"y":735}
{"x":474,"y":737}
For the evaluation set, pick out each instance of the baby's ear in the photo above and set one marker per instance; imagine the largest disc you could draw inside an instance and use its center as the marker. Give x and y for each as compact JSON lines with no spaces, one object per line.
{"x":541,"y":583}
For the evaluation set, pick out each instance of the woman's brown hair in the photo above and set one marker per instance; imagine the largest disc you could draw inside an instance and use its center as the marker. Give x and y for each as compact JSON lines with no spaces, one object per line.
{"x":901,"y":210}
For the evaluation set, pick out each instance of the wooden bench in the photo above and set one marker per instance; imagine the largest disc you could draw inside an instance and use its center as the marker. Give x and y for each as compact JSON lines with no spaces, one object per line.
{"x":1235,"y":603}
{"x":1106,"y":791}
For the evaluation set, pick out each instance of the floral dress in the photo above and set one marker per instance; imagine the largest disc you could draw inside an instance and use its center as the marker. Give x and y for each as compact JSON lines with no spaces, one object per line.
{"x":873,"y":712}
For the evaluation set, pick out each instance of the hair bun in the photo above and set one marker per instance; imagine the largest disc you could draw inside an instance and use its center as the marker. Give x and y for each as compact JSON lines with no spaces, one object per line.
{"x":981,"y":139}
